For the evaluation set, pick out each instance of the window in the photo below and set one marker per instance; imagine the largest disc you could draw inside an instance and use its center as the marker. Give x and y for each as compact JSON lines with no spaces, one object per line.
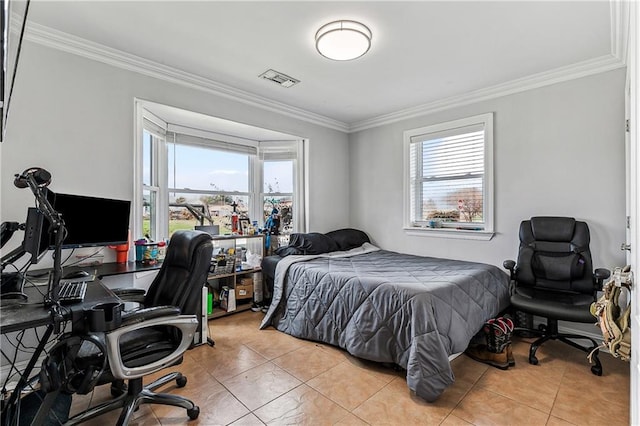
{"x":449,"y":178}
{"x":207,"y":184}
{"x":199,"y":178}
{"x":151,"y":138}
{"x":279,"y":184}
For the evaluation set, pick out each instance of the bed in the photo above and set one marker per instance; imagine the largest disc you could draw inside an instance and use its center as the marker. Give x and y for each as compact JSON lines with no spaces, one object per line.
{"x":384,"y":306}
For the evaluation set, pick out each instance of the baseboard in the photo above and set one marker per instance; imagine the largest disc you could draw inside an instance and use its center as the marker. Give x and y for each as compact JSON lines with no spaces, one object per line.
{"x":595,"y":336}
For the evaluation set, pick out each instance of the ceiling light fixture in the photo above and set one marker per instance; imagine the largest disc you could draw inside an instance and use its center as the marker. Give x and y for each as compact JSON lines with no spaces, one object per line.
{"x":343,"y":40}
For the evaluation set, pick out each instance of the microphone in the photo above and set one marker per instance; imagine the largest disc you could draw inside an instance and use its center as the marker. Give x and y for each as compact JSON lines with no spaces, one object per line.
{"x":40,"y":176}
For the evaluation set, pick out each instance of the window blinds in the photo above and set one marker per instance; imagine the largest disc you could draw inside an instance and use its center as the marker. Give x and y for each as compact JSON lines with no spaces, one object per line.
{"x":153,"y":128}
{"x":184,"y":139}
{"x":278,"y":150}
{"x":447,"y":174}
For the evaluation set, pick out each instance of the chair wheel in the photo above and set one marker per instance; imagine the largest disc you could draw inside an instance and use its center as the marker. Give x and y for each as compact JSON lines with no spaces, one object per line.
{"x":596,"y":370}
{"x":533,"y":360}
{"x":194,"y":412}
{"x":181,"y":382}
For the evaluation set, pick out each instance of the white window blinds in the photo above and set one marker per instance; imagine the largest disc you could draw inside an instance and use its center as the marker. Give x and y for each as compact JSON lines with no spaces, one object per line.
{"x":448,"y":174}
{"x":150,"y":124}
{"x":184,"y":139}
{"x":278,"y":150}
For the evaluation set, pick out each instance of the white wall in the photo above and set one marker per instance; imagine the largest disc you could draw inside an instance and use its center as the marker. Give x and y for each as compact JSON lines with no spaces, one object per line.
{"x":74,"y":117}
{"x":558,"y":150}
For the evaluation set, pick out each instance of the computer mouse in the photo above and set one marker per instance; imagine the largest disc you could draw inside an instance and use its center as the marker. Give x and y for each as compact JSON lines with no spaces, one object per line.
{"x":76,"y":274}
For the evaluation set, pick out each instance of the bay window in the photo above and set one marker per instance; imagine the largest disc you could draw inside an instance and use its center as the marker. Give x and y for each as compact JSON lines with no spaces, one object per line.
{"x":190,"y":178}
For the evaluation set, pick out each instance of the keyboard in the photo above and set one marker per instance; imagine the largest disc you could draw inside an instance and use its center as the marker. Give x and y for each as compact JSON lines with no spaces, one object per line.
{"x":72,"y":292}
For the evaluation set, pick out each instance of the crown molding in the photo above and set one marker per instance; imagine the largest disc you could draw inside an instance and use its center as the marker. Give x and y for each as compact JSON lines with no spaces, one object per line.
{"x":619,"y":17}
{"x":581,"y":69}
{"x":59,"y":40}
{"x":619,"y":28}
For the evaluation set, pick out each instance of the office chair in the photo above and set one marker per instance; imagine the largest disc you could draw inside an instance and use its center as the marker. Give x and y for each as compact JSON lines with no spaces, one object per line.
{"x":157,"y":333}
{"x":553,"y":278}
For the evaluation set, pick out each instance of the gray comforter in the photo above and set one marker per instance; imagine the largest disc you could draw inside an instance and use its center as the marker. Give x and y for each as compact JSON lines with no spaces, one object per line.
{"x":389,"y":307}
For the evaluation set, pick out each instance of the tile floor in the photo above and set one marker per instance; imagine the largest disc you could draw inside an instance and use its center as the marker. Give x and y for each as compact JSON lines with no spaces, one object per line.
{"x":254,"y":377}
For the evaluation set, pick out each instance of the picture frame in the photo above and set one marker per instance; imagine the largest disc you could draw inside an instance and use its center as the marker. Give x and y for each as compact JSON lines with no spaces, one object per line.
{"x":244,"y":224}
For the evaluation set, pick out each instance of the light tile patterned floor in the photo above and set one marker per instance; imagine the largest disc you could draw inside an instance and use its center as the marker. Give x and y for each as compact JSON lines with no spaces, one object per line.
{"x":255,"y":377}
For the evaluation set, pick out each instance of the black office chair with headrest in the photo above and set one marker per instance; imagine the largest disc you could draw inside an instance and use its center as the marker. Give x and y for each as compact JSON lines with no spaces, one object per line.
{"x":553,"y":278}
{"x":156,"y":335}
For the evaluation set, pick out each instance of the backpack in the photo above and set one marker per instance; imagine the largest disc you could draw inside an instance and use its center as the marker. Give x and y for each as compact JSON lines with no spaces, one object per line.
{"x":614,"y":321}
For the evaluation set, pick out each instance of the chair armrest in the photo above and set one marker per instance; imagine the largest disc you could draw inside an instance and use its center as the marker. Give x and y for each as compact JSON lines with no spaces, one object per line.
{"x":144,"y":314}
{"x":509,"y":264}
{"x":601,"y":274}
{"x":130,"y":294}
{"x":187,"y":324}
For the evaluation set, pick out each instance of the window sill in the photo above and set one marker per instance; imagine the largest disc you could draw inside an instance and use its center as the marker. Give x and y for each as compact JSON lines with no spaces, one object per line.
{"x":465,"y":234}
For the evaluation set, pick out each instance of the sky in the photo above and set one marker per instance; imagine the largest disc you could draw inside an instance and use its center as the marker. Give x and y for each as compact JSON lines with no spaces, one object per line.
{"x":203,"y":169}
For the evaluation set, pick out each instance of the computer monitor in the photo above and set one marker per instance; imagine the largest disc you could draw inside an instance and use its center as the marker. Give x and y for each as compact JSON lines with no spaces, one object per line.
{"x":91,"y":221}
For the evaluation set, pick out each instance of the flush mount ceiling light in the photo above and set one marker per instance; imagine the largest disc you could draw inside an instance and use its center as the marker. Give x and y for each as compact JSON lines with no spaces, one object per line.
{"x":343,"y":40}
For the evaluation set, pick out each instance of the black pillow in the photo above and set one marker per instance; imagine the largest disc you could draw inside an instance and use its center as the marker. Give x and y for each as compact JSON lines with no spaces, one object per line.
{"x":312,"y":243}
{"x":348,"y":238}
{"x":286,"y":251}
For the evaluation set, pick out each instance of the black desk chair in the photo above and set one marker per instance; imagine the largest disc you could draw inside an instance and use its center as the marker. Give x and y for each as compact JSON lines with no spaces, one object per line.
{"x":157,"y":334}
{"x":554,"y":279}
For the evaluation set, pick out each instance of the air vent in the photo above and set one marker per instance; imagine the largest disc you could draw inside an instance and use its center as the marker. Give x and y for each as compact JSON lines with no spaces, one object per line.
{"x":279,"y":78}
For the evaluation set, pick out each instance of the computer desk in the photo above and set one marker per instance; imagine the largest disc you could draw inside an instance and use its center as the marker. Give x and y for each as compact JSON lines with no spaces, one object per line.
{"x":33,"y":313}
{"x":110,"y":269}
{"x":18,"y":315}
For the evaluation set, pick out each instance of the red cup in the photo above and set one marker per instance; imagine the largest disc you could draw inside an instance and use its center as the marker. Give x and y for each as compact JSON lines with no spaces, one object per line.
{"x":122,"y":252}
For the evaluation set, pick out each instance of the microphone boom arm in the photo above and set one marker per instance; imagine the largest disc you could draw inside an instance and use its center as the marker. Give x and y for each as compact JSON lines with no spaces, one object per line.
{"x":57,"y":227}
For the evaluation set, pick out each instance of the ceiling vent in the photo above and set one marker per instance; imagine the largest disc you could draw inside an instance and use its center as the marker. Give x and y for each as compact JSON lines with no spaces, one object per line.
{"x":277,"y":77}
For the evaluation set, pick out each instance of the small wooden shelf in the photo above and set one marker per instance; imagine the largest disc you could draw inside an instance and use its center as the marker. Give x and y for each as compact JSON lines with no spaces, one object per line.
{"x":217,"y":312}
{"x":234,"y":274}
{"x":223,"y":244}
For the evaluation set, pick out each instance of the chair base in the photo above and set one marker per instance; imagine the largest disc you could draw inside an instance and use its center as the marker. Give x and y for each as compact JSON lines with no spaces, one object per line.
{"x":135,"y":396}
{"x":550,"y":332}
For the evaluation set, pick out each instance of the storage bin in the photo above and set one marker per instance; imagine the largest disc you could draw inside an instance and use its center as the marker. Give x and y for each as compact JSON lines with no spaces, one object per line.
{"x":244,"y":291}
